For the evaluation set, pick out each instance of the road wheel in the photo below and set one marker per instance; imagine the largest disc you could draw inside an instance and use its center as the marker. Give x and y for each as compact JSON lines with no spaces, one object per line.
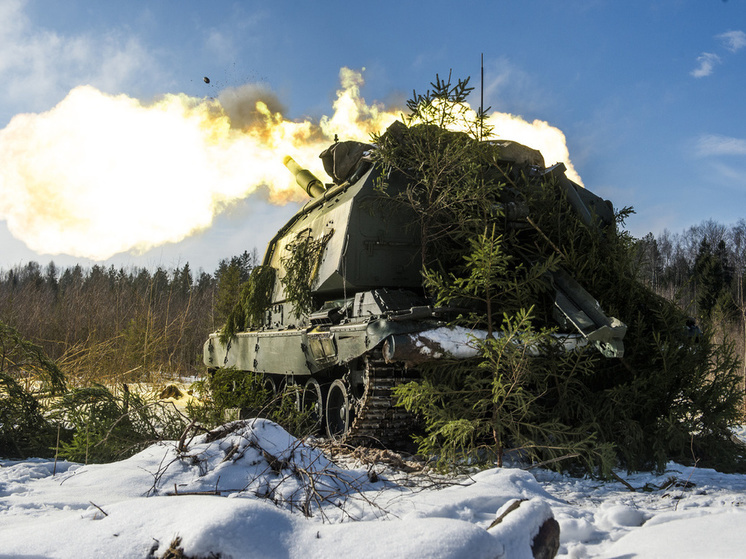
{"x":313,"y":401}
{"x":338,"y":416}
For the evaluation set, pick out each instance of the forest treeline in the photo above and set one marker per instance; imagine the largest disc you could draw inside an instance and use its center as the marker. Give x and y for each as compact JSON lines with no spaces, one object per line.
{"x":701,"y":269}
{"x":102,"y":322}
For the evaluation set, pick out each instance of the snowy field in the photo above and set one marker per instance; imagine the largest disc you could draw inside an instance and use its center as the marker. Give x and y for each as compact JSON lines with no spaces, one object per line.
{"x":258,"y":492}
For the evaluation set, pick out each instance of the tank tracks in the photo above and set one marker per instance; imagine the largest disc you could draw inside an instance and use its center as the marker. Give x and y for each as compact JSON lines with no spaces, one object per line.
{"x":376,"y":419}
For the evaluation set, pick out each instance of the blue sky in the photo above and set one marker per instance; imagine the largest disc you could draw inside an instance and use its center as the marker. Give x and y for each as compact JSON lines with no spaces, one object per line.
{"x":650,"y":95}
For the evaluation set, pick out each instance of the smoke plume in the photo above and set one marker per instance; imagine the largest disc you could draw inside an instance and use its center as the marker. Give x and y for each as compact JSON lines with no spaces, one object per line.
{"x":99,"y":174}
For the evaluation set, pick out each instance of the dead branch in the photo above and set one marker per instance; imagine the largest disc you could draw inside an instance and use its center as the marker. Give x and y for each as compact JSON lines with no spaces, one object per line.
{"x":623,"y":482}
{"x":99,"y":508}
{"x":551,"y":461}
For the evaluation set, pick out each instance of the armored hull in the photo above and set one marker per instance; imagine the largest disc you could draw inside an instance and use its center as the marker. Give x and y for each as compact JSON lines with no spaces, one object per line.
{"x":365,"y":323}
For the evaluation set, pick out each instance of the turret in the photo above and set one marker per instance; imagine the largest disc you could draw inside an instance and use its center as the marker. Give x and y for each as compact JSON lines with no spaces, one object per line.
{"x":366,"y":243}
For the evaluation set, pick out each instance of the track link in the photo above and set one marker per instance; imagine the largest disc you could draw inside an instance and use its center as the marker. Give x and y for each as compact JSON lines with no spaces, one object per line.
{"x":377,"y":420}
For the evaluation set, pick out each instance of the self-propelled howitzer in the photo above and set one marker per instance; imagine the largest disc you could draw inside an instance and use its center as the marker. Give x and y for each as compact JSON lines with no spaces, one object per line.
{"x":347,"y":319}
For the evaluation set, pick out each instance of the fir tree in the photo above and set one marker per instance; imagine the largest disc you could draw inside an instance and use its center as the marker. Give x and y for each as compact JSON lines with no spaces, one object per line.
{"x":670,"y":394}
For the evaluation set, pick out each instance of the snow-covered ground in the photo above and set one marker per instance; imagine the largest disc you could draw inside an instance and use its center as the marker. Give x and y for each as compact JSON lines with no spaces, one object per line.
{"x":258,"y":492}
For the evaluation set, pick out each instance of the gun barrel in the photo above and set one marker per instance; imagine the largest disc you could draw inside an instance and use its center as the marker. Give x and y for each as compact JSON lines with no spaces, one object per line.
{"x":305,"y":179}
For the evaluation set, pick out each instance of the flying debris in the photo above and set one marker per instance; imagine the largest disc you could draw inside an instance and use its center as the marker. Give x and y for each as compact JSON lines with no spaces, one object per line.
{"x":206,"y":79}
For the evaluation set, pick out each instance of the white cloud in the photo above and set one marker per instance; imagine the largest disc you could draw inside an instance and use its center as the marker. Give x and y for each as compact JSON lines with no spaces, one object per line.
{"x":220,"y":44}
{"x":707,"y":61}
{"x":733,"y":40}
{"x":724,"y":162}
{"x":729,"y":176}
{"x":715,"y":144}
{"x":39,"y":66}
{"x":507,"y":87}
{"x":246,"y":32}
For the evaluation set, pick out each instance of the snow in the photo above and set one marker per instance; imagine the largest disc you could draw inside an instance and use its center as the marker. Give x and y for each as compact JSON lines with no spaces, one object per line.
{"x":458,"y":342}
{"x":453,"y":341}
{"x":255,"y":491}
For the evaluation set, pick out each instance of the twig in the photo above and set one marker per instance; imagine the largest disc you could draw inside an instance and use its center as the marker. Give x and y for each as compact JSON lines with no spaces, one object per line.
{"x":623,"y":482}
{"x":210,"y":492}
{"x":547,"y":239}
{"x":183,"y":446}
{"x":513,"y":506}
{"x":99,"y":508}
{"x":686,"y":484}
{"x":551,"y":461}
{"x":56,"y":450}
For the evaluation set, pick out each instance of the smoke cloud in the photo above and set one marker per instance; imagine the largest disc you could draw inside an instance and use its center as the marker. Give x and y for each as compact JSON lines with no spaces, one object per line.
{"x":103,"y":174}
{"x":240,"y":105}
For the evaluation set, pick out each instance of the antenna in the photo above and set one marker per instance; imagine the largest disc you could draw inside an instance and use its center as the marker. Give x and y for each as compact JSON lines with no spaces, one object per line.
{"x":481,"y":103}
